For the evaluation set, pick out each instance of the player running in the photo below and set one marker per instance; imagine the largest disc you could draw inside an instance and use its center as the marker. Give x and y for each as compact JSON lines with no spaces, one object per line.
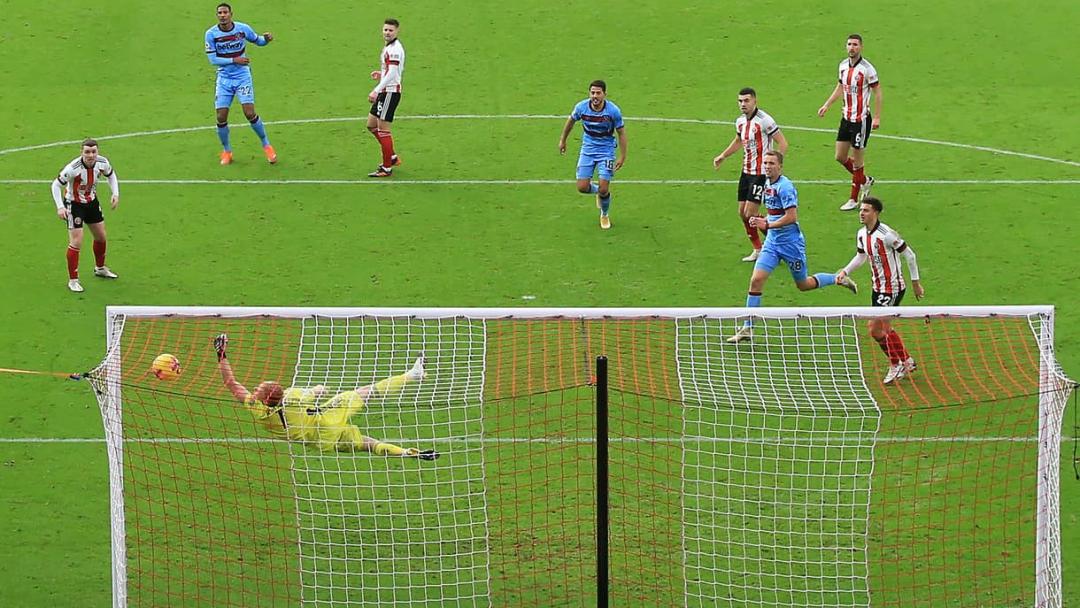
{"x":784,"y":241}
{"x":301,"y":414}
{"x":601,"y":120}
{"x":883,"y":246}
{"x":755,"y":132}
{"x":226,"y":47}
{"x":78,"y":205}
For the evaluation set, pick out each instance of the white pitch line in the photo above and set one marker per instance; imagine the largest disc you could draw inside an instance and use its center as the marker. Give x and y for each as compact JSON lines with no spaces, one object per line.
{"x":547,"y":182}
{"x":564,"y":440}
{"x":697,"y":121}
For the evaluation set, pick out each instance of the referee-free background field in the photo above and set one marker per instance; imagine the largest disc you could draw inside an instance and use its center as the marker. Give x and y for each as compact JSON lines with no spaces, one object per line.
{"x":483,"y":212}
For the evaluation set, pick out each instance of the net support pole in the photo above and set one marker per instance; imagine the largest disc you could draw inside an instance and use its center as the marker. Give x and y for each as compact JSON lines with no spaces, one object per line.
{"x":601,"y":481}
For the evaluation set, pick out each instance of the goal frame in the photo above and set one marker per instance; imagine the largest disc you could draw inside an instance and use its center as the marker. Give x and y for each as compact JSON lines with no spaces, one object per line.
{"x":1047,"y":543}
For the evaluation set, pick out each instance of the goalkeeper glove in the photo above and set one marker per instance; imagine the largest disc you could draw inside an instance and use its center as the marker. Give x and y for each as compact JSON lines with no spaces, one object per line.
{"x":220,"y":343}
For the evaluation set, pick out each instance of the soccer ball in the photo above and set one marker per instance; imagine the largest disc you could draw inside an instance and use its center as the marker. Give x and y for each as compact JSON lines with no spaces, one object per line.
{"x":166,"y":367}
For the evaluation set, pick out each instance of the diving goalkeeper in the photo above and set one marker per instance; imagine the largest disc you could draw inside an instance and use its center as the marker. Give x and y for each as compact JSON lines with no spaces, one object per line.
{"x":300,"y":414}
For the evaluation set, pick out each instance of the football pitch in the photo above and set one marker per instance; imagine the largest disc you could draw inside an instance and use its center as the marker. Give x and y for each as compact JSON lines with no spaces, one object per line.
{"x":975,"y":161}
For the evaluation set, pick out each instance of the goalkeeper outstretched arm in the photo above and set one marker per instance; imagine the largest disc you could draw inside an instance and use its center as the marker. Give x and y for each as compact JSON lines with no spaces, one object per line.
{"x":268,"y":392}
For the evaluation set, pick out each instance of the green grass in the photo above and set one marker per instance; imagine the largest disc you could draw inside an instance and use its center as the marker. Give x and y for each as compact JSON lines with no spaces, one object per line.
{"x":990,"y":74}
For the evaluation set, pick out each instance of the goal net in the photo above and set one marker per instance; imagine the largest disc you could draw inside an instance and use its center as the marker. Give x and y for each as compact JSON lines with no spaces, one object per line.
{"x":780,"y":471}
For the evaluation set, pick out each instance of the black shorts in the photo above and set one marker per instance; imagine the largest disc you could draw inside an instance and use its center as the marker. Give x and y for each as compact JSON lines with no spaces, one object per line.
{"x":752,"y":188}
{"x":886,"y":299}
{"x":83,"y":213}
{"x":385,"y":105}
{"x":855,"y":133}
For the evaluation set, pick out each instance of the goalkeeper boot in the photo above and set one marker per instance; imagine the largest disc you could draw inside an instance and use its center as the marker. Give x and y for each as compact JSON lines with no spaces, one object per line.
{"x":226,"y":157}
{"x":271,"y":156}
{"x":744,"y":334}
{"x":104,"y":272}
{"x":381,"y":172}
{"x":427,"y":455}
{"x":849,"y":205}
{"x":895,"y":373}
{"x":753,"y":256}
{"x":864,"y":190}
{"x":849,"y":284}
{"x":416,"y":373}
{"x":75,"y":285}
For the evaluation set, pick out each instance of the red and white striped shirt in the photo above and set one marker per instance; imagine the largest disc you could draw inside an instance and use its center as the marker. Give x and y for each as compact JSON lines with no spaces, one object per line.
{"x":392,"y":65}
{"x":857,"y":81}
{"x":883,"y":245}
{"x":80,"y":182}
{"x":756,"y":133}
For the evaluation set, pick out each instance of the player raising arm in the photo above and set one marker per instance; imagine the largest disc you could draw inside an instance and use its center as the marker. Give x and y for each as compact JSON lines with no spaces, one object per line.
{"x":74,"y":193}
{"x":226,"y":48}
{"x":784,"y":241}
{"x":302,"y":414}
{"x":755,"y":133}
{"x":882,"y":246}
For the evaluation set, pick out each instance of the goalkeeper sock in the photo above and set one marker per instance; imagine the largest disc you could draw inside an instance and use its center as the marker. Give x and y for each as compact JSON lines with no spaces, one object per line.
{"x":605,"y":203}
{"x":388,"y":449}
{"x":824,"y":279}
{"x":73,"y":262}
{"x":392,"y":384}
{"x":223,"y":135}
{"x":260,"y":130}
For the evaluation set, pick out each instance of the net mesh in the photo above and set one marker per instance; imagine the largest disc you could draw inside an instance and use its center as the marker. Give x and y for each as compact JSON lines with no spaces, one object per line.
{"x":779,"y":472}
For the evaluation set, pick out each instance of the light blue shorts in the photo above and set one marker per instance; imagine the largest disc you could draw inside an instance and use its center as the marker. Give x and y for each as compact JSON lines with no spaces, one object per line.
{"x":603,"y":164}
{"x":792,"y":253}
{"x":227,"y":88}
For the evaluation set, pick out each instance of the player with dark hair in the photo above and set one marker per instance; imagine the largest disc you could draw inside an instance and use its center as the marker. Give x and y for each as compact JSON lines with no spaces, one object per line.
{"x":601,"y":121}
{"x":74,"y":192}
{"x":882,"y":247}
{"x":385,"y":97}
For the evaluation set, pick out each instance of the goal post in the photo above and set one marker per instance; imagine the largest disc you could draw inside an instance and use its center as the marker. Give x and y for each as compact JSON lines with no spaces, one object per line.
{"x":779,"y":471}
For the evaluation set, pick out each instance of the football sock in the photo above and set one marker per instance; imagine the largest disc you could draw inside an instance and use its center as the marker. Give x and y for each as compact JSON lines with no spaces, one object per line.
{"x":388,"y":449}
{"x":883,"y":343}
{"x":824,"y":279}
{"x":99,"y":253}
{"x":605,"y":203}
{"x":897,"y":346}
{"x":594,"y":188}
{"x":849,"y":165}
{"x":392,"y":384}
{"x":753,"y":300}
{"x":260,"y":130}
{"x":755,"y":236}
{"x":73,"y":262}
{"x":386,"y":142}
{"x":858,"y":178}
{"x":223,"y":135}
